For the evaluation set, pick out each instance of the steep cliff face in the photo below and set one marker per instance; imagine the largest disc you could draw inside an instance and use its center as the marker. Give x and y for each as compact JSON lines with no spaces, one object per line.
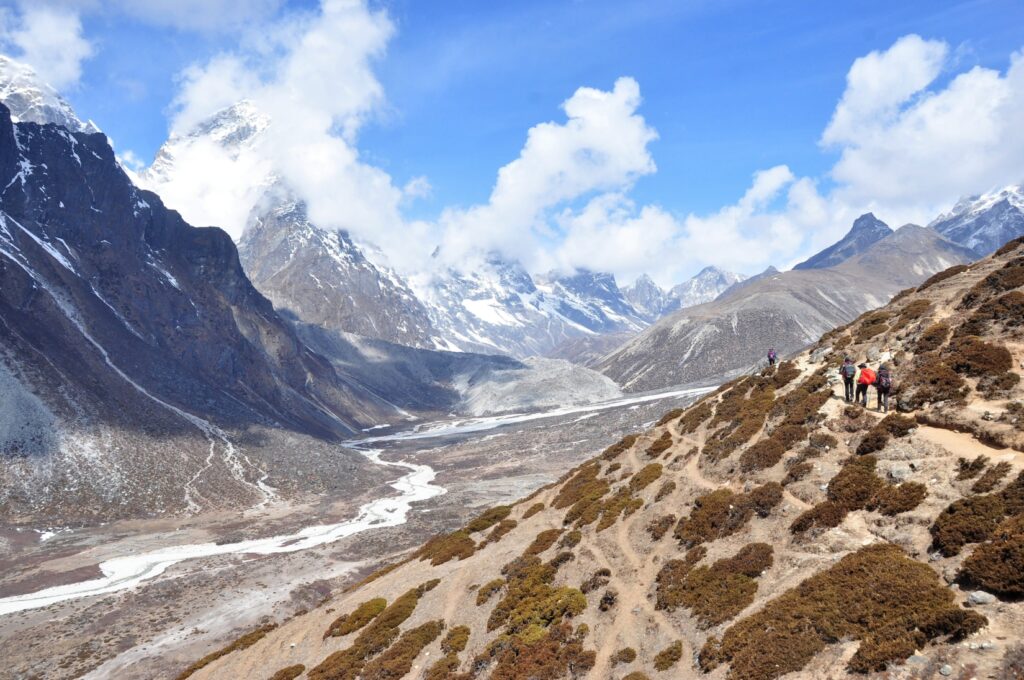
{"x":983,"y":223}
{"x":120,"y":317}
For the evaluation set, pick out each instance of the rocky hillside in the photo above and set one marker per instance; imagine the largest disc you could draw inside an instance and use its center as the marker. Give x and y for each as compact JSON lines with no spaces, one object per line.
{"x":768,"y":529}
{"x":653,"y":302}
{"x":787,"y":310}
{"x":983,"y":223}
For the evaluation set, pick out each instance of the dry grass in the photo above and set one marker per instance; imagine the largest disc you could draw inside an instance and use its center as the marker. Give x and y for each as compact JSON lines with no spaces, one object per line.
{"x":396,"y":661}
{"x":669,"y":657}
{"x":289,"y":672}
{"x":992,"y":477}
{"x":244,"y":642}
{"x":624,"y":655}
{"x":356,"y":619}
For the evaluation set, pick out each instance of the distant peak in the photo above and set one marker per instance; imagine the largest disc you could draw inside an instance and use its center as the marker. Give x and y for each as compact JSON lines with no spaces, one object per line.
{"x":869,"y":221}
{"x":31,"y":99}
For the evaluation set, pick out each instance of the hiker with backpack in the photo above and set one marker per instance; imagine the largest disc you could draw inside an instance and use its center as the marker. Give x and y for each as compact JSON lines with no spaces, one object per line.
{"x":772,"y":356}
{"x":883,"y":385}
{"x":865,"y":378}
{"x":849,"y":372}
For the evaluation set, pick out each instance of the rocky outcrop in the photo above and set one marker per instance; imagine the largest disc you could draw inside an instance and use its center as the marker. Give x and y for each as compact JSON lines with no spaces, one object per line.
{"x":867,"y":230}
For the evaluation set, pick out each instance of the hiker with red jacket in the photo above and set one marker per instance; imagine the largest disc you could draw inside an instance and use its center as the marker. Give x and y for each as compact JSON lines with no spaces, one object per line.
{"x":848,"y":371}
{"x":865,"y":378}
{"x":772,"y":356}
{"x":883,"y":385}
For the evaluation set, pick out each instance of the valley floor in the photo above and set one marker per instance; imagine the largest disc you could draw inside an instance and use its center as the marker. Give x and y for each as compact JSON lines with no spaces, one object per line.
{"x":154,"y":629}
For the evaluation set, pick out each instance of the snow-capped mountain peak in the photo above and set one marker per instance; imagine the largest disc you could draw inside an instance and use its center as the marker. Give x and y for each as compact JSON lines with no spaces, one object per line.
{"x":983,"y":223}
{"x":32,"y":100}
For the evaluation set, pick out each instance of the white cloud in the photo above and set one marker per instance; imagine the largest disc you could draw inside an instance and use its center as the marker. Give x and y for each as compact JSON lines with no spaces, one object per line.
{"x":48,"y":38}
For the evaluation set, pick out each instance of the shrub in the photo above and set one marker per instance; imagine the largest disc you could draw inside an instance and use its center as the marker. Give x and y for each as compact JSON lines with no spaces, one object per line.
{"x":624,"y":655}
{"x":660,"y":445}
{"x":787,"y":435}
{"x":669,"y":656}
{"x":447,"y":547}
{"x":716,"y":593}
{"x":503,"y":527}
{"x":543,"y":541}
{"x":874,"y":440}
{"x":669,"y":417}
{"x":646,"y":476}
{"x":874,"y":595}
{"x":764,"y":454}
{"x":599,"y":579}
{"x":694,"y":417}
{"x":998,"y":386}
{"x":613,"y":468}
{"x":636,"y":675}
{"x":359,"y":617}
{"x":555,"y":653}
{"x":998,"y":565}
{"x":796,"y":473}
{"x":968,"y":520}
{"x":396,"y":661}
{"x":533,"y":510}
{"x":969,"y":469}
{"x":488,"y":519}
{"x":571,"y":539}
{"x":1012,"y":667}
{"x":622,"y":503}
{"x":456,"y":639}
{"x":824,"y":515}
{"x":530,"y":600}
{"x":786,"y":373}
{"x":722,"y":513}
{"x":289,"y":672}
{"x":619,"y":448}
{"x":897,"y":425}
{"x":974,"y":357}
{"x":823,"y":441}
{"x":942,"y":276}
{"x":659,"y":526}
{"x":871,"y":324}
{"x":932,"y":338}
{"x":1009,"y":277}
{"x":488,"y":589}
{"x":990,"y":480}
{"x":930,"y":380}
{"x":608,"y":600}
{"x":582,"y":494}
{"x":855,"y":484}
{"x":244,"y":642}
{"x":666,"y":489}
{"x":892,"y":500}
{"x":913,"y":310}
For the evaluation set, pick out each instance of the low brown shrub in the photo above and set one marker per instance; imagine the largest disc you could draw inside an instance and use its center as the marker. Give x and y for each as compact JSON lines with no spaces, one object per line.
{"x":914,"y":310}
{"x":447,"y":547}
{"x":599,"y":579}
{"x":898,"y":425}
{"x":762,"y":455}
{"x":932,"y":337}
{"x":244,"y":642}
{"x":669,"y":416}
{"x":636,"y":675}
{"x":1009,"y":277}
{"x":787,"y":435}
{"x":992,"y":477}
{"x":624,"y":655}
{"x":289,"y":672}
{"x":823,"y":441}
{"x":930,"y":380}
{"x":942,"y":276}
{"x":582,"y":494}
{"x":786,"y":373}
{"x":554,"y":653}
{"x":969,"y":469}
{"x":612,"y":469}
{"x":619,"y":448}
{"x":874,"y":595}
{"x":608,"y":600}
{"x":533,"y":510}
{"x":356,"y":619}
{"x":895,"y":499}
{"x":571,"y":539}
{"x":968,"y":520}
{"x":694,"y":417}
{"x":543,"y":541}
{"x":645,"y":477}
{"x":998,"y":386}
{"x":797,"y":472}
{"x":488,"y":589}
{"x":669,"y":656}
{"x":456,"y":640}
{"x":488,"y":519}
{"x":874,"y":439}
{"x":974,"y":357}
{"x":660,"y":445}
{"x":998,"y":564}
{"x":722,"y":513}
{"x":855,"y":484}
{"x":503,"y":527}
{"x":824,"y":515}
{"x":531,"y":601}
{"x":666,"y":489}
{"x":871,"y":324}
{"x":623,"y":503}
{"x":659,"y":526}
{"x":396,"y":661}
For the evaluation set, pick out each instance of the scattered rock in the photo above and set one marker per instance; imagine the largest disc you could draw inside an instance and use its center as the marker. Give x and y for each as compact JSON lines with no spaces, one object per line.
{"x":946,"y":670}
{"x":900,"y":472}
{"x":818,"y":355}
{"x":981,"y":597}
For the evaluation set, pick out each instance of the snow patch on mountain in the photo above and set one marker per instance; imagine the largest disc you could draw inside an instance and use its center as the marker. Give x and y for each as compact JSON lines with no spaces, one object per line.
{"x":983,"y":223}
{"x":32,"y":100}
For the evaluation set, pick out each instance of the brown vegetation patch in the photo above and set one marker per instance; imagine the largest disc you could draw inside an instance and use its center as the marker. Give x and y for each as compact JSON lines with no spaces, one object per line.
{"x":599,"y":579}
{"x":645,"y":477}
{"x":357,"y":618}
{"x":914,"y":310}
{"x":554,"y":653}
{"x":998,"y":565}
{"x":571,"y":539}
{"x":722,"y":513}
{"x":932,"y":337}
{"x":871,"y":324}
{"x":992,"y":477}
{"x":289,"y":672}
{"x":786,"y":373}
{"x":969,"y":469}
{"x":660,"y":445}
{"x":669,"y":417}
{"x":623,"y":503}
{"x":823,"y":441}
{"x":533,"y":510}
{"x":488,"y":519}
{"x":748,"y":416}
{"x":717,"y":593}
{"x":619,"y":447}
{"x":659,"y":526}
{"x":531,"y":601}
{"x":1009,"y":277}
{"x":895,"y":499}
{"x":582,"y":494}
{"x":874,"y":595}
{"x":488,"y":589}
{"x":998,"y":386}
{"x":447,"y":547}
{"x":974,"y":519}
{"x":762,"y":455}
{"x":669,"y":656}
{"x":503,"y":527}
{"x":666,"y":489}
{"x":624,"y":655}
{"x":543,"y":541}
{"x":636,"y":675}
{"x":930,"y":380}
{"x":974,"y":357}
{"x":797,"y":472}
{"x":396,"y":661}
{"x":694,"y":417}
{"x":244,"y":642}
{"x":942,"y":276}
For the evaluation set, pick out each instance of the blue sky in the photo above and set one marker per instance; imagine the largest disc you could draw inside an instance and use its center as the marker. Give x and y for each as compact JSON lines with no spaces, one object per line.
{"x":731,"y":87}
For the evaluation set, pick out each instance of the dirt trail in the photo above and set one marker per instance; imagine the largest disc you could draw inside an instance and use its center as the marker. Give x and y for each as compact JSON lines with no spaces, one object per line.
{"x":966,"y":445}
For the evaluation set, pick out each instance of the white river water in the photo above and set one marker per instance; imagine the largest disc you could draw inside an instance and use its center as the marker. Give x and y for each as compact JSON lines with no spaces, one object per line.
{"x":121,"y":573}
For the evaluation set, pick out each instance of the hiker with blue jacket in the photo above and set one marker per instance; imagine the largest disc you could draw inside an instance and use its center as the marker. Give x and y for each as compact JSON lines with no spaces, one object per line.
{"x":849,"y":372}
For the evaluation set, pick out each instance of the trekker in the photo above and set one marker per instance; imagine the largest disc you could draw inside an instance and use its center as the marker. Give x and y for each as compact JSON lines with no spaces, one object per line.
{"x":866,"y":377}
{"x":883,"y":384}
{"x":772,"y":356}
{"x":848,"y":371}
